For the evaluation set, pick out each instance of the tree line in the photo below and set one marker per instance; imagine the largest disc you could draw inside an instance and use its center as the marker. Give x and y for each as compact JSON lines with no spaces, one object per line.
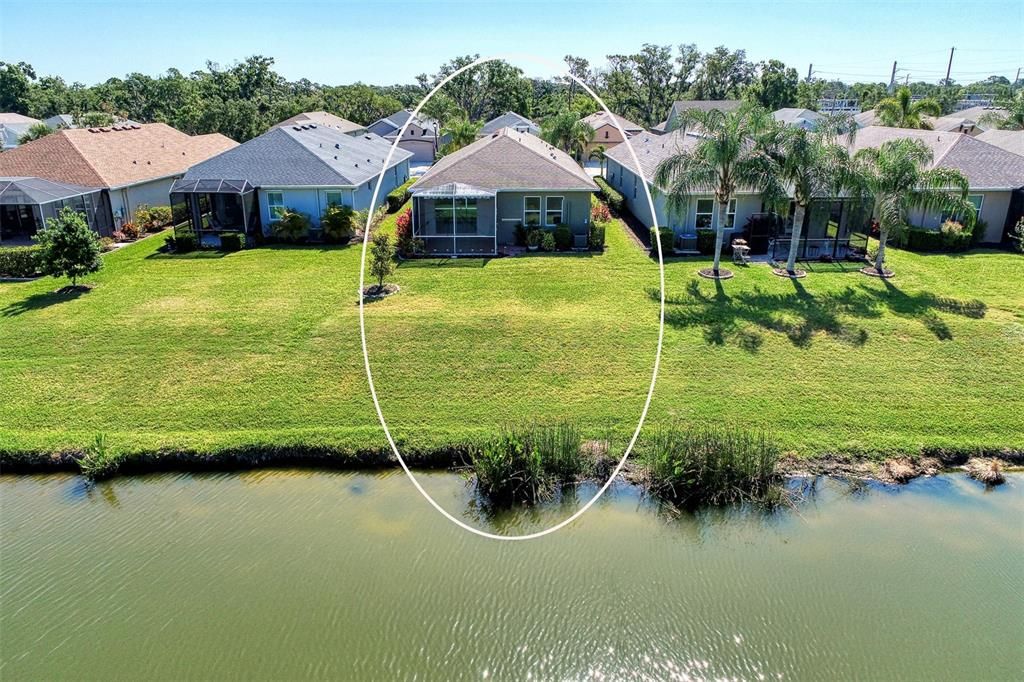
{"x":244,"y":99}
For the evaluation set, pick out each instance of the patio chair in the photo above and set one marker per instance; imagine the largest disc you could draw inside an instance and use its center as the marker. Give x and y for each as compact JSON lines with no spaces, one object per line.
{"x":740,"y":252}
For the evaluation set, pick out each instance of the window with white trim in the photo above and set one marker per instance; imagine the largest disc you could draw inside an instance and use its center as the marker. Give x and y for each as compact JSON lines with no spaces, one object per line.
{"x":275,"y":202}
{"x":553,"y":211}
{"x":333,"y":198}
{"x":531,"y":211}
{"x":705,"y":213}
{"x":730,"y":214}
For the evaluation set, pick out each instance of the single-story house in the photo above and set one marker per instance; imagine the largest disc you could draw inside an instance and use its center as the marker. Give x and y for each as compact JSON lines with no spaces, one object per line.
{"x":323,"y":119}
{"x":1010,"y":140}
{"x":305,"y":168}
{"x":422,"y":138}
{"x":509,"y":119}
{"x":995,"y":175}
{"x":606,"y":134}
{"x":700,"y":212}
{"x":134,"y":164}
{"x":472,"y":200}
{"x":797,"y":117}
{"x":671,"y":121}
{"x":59,"y":121}
{"x":26,"y":204}
{"x":12,"y":127}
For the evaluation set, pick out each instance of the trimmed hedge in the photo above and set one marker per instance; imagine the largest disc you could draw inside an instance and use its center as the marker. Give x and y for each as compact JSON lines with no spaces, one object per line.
{"x":668,"y":241}
{"x":934,"y":241}
{"x":706,"y":242}
{"x":563,"y":238}
{"x":595,"y":240}
{"x":611,"y":197}
{"x":399,"y":195}
{"x":19,"y":261}
{"x":232,"y":241}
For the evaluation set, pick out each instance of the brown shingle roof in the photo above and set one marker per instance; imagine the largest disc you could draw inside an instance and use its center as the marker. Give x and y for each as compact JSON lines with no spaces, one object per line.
{"x":1010,"y":140}
{"x":508,"y":160}
{"x":122,"y":155}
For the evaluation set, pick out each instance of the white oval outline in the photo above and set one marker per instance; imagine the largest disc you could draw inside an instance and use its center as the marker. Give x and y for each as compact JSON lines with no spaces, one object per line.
{"x":362,"y":319}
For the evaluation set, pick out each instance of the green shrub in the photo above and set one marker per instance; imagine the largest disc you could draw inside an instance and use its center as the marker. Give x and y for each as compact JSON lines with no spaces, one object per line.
{"x":99,"y":461}
{"x":130,"y":231}
{"x":614,"y":200}
{"x":183,"y":241}
{"x":706,"y":242}
{"x":19,"y":261}
{"x":563,"y":238}
{"x":336,"y":223}
{"x":547,"y":243}
{"x":534,"y":238}
{"x":667,"y":238}
{"x":521,"y":235}
{"x":978,"y":231}
{"x":159,"y":218}
{"x":509,"y":471}
{"x":954,"y":236}
{"x":68,"y":246}
{"x":917,"y":239}
{"x":292,"y":226}
{"x":1017,"y":236}
{"x":709,"y":464}
{"x":398,"y":196}
{"x":232,"y":241}
{"x":595,"y":240}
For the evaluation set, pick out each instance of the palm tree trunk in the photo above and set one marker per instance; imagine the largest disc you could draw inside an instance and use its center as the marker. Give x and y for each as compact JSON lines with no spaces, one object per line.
{"x":883,"y":236}
{"x":794,"y":242}
{"x":720,"y":234}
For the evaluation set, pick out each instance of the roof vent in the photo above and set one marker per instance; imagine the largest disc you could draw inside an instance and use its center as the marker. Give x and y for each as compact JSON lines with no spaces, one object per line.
{"x":312,"y":125}
{"x":337,"y":146}
{"x":296,"y":128}
{"x":94,"y":130}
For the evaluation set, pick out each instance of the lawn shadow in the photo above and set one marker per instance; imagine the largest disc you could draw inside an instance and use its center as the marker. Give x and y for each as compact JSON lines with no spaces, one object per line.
{"x":745,"y":317}
{"x":191,"y":255}
{"x":471,"y":262}
{"x":40,"y":301}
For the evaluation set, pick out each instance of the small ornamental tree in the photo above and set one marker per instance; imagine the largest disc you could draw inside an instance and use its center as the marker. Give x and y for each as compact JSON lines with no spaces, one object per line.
{"x":68,"y":246}
{"x":336,"y":223}
{"x":382,"y":255}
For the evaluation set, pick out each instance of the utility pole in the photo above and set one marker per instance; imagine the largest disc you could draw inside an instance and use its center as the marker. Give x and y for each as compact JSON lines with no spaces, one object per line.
{"x":949,"y":67}
{"x":907,"y":81}
{"x":1016,"y":78}
{"x":892,"y":78}
{"x":811,"y":66}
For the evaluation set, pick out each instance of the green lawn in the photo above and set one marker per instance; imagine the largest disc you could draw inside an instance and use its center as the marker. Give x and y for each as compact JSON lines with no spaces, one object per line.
{"x":261,"y":347}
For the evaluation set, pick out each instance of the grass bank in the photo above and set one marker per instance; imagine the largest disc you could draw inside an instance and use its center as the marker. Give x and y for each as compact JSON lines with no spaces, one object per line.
{"x":206,"y":356}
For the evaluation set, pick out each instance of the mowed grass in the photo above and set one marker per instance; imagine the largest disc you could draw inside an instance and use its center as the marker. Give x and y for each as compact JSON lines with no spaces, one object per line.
{"x":208,"y":351}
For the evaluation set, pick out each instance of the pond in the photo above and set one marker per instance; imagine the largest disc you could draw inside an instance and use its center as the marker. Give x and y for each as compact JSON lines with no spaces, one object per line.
{"x":286,"y":574}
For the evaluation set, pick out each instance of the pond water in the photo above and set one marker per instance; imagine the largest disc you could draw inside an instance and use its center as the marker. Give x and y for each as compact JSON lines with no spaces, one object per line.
{"x":287,"y":574}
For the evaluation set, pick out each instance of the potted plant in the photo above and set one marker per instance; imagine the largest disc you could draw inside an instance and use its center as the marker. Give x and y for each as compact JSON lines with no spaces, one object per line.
{"x":534,"y":239}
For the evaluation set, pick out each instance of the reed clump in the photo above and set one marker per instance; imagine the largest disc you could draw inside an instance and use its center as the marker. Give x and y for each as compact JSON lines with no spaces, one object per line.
{"x":710,"y":464}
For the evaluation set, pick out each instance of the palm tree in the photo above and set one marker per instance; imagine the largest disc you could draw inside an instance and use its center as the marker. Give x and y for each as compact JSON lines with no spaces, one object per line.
{"x":815,"y":166}
{"x":34,"y":132}
{"x":731,"y":151}
{"x":894,"y":175}
{"x":1013,"y":119}
{"x":598,"y":154}
{"x":902,"y":111}
{"x":568,"y":132}
{"x":461,"y":132}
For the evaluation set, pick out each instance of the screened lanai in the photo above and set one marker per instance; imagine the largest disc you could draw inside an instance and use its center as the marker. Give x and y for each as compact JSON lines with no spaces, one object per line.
{"x":456,"y":220}
{"x":26,"y":203}
{"x":210,"y":207}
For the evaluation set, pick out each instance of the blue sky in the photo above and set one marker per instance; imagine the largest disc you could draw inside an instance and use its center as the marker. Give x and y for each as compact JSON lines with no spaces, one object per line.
{"x":390,"y":42}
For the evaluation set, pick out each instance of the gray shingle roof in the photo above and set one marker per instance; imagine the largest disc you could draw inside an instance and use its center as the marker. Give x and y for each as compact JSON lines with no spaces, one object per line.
{"x":20,"y":191}
{"x":323,"y":119}
{"x":508,"y":160}
{"x":986,"y":166}
{"x":1010,"y":140}
{"x":794,"y":116}
{"x":509,"y":119}
{"x":651,"y":149}
{"x":389,"y":126}
{"x":296,"y":156}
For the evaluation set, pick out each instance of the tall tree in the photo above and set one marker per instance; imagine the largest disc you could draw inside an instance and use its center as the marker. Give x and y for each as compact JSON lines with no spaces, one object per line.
{"x":775,"y":87}
{"x":460,"y":132}
{"x":902,"y":111}
{"x":580,"y":68}
{"x":68,"y":246}
{"x":567,"y":131}
{"x":15,"y":82}
{"x":722,"y":74}
{"x":731,"y":153}
{"x":896,"y":179}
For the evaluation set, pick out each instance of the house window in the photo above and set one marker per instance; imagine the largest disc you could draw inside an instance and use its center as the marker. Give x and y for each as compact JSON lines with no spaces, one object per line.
{"x":531,"y":211}
{"x":730,"y":214}
{"x":606,"y":134}
{"x":553,"y":211}
{"x":705,"y":213}
{"x":275,"y":201}
{"x":333,"y":198}
{"x":465,"y":216}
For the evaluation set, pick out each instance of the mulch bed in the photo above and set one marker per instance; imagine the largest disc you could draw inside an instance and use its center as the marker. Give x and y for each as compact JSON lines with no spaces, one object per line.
{"x":375,"y":293}
{"x":872,"y":272}
{"x":783,"y":272}
{"x":708,"y":273}
{"x":76,"y":289}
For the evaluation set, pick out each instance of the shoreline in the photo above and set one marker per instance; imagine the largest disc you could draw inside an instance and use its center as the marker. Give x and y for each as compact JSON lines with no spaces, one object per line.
{"x":889,"y":469}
